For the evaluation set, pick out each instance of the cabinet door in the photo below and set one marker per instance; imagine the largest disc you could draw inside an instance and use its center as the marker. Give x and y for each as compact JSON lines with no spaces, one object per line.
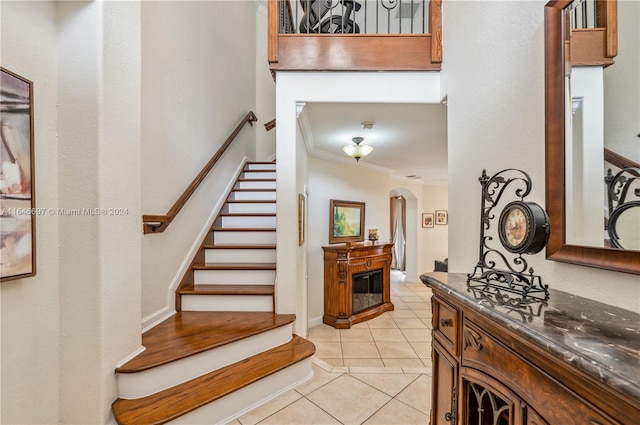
{"x":533,"y":418}
{"x":485,"y":401}
{"x":444,"y":391}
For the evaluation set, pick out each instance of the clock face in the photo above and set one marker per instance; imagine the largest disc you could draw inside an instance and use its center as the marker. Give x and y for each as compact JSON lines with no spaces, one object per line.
{"x":523,"y":227}
{"x":514,"y":227}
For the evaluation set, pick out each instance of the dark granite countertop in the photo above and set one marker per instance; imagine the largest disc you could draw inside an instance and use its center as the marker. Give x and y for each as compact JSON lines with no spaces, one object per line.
{"x":599,"y":339}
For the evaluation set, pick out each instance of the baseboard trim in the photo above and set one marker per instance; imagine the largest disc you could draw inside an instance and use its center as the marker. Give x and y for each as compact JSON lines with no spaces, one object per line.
{"x":315,"y":321}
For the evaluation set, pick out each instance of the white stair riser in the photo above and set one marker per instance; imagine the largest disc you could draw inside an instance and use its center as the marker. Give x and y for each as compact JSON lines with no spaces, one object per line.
{"x":248,"y":222}
{"x":244,"y":238}
{"x":227,"y":303}
{"x":253,"y":277}
{"x":263,"y":207}
{"x":240,"y":255}
{"x":259,"y":175}
{"x":254,"y":196}
{"x":248,"y":398}
{"x":256,"y":185}
{"x":260,"y":167}
{"x":150,"y":381}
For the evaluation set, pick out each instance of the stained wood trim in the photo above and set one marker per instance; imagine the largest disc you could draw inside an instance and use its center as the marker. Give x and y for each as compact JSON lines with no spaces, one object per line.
{"x":270,"y":125}
{"x":588,"y":47}
{"x":435,"y":28}
{"x":228,"y":289}
{"x":272,"y":31}
{"x":159,"y":223}
{"x":607,"y":18}
{"x":557,"y":248}
{"x":355,"y":52}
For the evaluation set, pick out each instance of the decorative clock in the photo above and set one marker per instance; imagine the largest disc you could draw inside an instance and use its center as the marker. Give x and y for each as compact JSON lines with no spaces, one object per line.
{"x":522,"y":228}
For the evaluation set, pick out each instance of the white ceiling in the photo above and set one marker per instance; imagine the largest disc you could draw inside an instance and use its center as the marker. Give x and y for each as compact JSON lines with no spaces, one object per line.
{"x":407,"y":139}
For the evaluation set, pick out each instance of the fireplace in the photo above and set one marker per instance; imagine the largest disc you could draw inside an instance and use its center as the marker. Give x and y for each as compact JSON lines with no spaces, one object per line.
{"x":357,"y":284}
{"x":367,"y":290}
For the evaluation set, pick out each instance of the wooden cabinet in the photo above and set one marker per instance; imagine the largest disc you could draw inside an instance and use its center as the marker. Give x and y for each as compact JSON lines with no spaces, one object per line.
{"x":495,"y":367}
{"x":357,"y":283}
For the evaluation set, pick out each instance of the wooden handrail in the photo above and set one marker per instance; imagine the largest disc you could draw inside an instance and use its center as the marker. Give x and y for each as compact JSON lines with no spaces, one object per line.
{"x":158,"y":223}
{"x":620,"y":161}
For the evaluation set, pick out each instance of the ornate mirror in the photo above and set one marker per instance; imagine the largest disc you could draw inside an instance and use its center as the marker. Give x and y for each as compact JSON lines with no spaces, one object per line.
{"x":563,"y":110}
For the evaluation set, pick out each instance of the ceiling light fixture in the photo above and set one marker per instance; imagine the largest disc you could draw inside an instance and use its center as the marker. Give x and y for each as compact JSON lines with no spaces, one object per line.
{"x":358,"y":149}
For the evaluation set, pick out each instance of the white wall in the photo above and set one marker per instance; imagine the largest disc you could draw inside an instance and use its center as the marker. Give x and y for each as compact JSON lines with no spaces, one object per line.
{"x":493,"y":75}
{"x":435,"y":240}
{"x":265,"y":90}
{"x":65,"y":330}
{"x":30,"y":308}
{"x":197,"y":83}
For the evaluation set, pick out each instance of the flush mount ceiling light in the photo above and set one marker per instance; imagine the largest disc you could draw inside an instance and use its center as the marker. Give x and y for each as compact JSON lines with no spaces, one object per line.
{"x":358,"y":149}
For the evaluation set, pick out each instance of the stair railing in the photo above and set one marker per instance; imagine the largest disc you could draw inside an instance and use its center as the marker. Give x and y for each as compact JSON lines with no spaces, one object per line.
{"x":159,"y":223}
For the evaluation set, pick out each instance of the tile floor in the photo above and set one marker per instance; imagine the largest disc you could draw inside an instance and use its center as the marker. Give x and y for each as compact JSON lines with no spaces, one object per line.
{"x":377,"y":372}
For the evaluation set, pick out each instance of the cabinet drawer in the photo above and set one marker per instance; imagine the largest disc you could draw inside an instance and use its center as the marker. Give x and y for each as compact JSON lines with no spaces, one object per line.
{"x":445,"y":324}
{"x":557,"y":403}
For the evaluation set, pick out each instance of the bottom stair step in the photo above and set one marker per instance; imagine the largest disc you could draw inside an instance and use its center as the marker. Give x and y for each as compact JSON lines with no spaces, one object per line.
{"x":228,"y":290}
{"x":184,"y":399}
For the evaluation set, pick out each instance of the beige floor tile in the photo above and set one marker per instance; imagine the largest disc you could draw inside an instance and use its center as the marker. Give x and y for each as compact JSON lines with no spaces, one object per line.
{"x":422,"y":349}
{"x":370,"y":370}
{"x":335,"y":362}
{"x":361,"y":334}
{"x":396,"y":412}
{"x":396,"y":350}
{"x":361,"y":325}
{"x":320,"y":378}
{"x":417,"y":335}
{"x":410,"y":323}
{"x":328,"y":349}
{"x":324,"y":333}
{"x":301,"y":412}
{"x":427,"y":321}
{"x":403,"y":363}
{"x":234,"y":422}
{"x":411,"y":299}
{"x":363,"y":362}
{"x":388,"y":335}
{"x":382,"y":322}
{"x":418,"y":370}
{"x":340,"y":396}
{"x":423,"y":314}
{"x":389,"y":383}
{"x":399,"y":305}
{"x":268,"y":409}
{"x":407,"y":314}
{"x":359,"y":350}
{"x":421,"y":305}
{"x":418,"y":394}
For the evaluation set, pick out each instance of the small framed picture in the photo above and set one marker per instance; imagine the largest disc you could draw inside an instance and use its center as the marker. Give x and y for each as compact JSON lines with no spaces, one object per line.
{"x":442,"y":217}
{"x":427,"y":220}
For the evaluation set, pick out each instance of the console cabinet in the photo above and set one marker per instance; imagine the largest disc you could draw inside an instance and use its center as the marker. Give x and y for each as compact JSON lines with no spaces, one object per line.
{"x":357,"y":283}
{"x":572,"y":362}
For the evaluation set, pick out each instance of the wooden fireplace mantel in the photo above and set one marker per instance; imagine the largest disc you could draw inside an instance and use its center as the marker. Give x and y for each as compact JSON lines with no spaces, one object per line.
{"x":341,"y":262}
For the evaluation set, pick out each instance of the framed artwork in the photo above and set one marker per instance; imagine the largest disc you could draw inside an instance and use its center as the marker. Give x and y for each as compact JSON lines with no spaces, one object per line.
{"x":17,"y":197}
{"x":301,"y":216}
{"x":442,"y":217}
{"x":427,"y":220}
{"x":346,"y":221}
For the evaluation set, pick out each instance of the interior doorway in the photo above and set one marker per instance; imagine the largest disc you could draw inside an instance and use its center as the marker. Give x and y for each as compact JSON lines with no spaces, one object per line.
{"x":398,"y":231}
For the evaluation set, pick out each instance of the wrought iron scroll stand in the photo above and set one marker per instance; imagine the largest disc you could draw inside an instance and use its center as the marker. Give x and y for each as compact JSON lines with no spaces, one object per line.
{"x":518,"y":278}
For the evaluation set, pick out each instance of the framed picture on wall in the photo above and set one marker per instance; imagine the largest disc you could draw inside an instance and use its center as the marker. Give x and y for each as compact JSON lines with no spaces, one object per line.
{"x":427,"y":220}
{"x":17,"y":198}
{"x":442,"y":217}
{"x":346,"y":221}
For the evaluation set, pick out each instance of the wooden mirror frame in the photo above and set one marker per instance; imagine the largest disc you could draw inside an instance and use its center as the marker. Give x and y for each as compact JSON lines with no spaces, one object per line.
{"x":557,"y":248}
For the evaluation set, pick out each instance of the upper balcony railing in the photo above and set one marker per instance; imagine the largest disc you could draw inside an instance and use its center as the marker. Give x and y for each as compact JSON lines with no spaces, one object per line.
{"x":594,"y":32}
{"x":355,"y":35}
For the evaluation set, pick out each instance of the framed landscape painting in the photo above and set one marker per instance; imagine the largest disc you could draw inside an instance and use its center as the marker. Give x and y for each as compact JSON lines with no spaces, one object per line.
{"x":346,"y":221}
{"x":17,"y":208}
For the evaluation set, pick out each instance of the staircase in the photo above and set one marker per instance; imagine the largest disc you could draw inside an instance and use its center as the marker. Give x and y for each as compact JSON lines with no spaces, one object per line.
{"x":225,"y":351}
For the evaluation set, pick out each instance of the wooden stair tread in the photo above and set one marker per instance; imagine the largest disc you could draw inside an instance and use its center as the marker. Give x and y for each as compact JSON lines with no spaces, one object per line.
{"x":243,"y":189}
{"x":176,"y":401}
{"x":244,"y":179}
{"x":234,"y":266}
{"x":246,"y":214}
{"x":251,"y":201}
{"x":206,"y":246}
{"x":211,"y":289}
{"x":191,"y":332}
{"x":244,"y":229}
